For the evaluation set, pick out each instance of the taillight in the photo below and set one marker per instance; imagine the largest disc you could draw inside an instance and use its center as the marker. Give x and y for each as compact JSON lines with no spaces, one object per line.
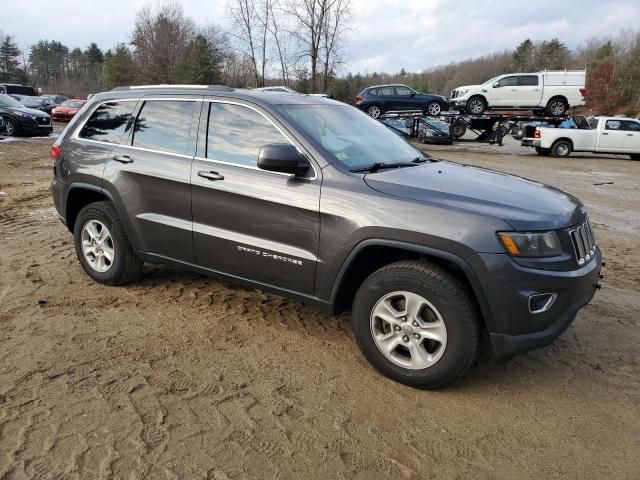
{"x":55,"y":152}
{"x":359,"y":98}
{"x":536,"y":134}
{"x":583,"y":92}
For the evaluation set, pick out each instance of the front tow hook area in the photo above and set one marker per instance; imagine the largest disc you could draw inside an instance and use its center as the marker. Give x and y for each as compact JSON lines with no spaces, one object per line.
{"x":598,"y":284}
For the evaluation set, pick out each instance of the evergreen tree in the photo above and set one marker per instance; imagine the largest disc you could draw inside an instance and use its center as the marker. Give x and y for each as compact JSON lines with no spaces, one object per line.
{"x":523,"y":57}
{"x":9,"y":54}
{"x":94,"y":54}
{"x":202,"y":62}
{"x":119,"y":68}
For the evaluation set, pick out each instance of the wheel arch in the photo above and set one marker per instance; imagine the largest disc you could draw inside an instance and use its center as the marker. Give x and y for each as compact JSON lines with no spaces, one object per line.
{"x":561,"y":97}
{"x":562,"y":139}
{"x":370,"y":255}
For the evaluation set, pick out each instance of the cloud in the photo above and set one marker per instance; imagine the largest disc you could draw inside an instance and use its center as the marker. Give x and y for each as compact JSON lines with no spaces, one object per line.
{"x":387,"y":34}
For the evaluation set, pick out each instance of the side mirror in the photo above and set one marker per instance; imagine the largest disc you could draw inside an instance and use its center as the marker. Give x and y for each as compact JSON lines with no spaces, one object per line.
{"x":496,"y":85}
{"x":284,"y":158}
{"x":412,"y":94}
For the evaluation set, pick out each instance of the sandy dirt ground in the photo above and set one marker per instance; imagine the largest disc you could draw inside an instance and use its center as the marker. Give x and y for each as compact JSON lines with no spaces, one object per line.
{"x":181,"y":376}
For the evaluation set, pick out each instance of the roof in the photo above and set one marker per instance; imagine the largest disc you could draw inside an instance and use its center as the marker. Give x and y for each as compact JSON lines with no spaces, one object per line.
{"x":389,"y":85}
{"x":263,"y":97}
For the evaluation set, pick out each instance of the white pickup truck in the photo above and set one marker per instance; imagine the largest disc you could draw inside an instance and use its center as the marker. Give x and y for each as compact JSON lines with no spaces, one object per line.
{"x":551,"y":91}
{"x":597,"y":135}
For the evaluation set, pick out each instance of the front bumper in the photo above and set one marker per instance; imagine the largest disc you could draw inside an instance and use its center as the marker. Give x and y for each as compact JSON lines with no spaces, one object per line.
{"x":35,"y":127}
{"x":512,"y":328}
{"x":458,"y":104}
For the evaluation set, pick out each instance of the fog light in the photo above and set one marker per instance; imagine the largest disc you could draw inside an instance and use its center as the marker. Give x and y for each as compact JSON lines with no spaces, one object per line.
{"x":541,"y":302}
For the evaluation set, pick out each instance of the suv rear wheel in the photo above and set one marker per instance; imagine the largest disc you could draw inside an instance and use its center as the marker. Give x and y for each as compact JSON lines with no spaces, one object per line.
{"x":102,"y":245}
{"x":416,"y":324}
{"x":374,"y":111}
{"x":556,"y":107}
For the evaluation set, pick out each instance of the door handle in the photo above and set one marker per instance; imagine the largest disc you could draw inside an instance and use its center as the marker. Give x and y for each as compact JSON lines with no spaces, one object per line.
{"x":213,"y":176}
{"x":123,"y":159}
{"x":605,"y":133}
{"x":514,"y":89}
{"x":629,"y":134}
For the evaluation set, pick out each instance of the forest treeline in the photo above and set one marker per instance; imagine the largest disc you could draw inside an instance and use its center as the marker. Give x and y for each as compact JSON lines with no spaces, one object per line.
{"x":302,"y":44}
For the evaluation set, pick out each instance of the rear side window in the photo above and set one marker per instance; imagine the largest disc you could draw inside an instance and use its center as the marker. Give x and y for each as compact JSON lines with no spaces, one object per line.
{"x":630,"y":126}
{"x":236,"y":134}
{"x":528,"y":80}
{"x":164,"y":125}
{"x":108,"y":122}
{"x":386,"y":91}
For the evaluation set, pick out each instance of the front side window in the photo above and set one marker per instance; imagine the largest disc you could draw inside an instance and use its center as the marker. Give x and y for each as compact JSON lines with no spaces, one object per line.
{"x":613,"y":125}
{"x":108,"y":122}
{"x":528,"y":80}
{"x":404,"y":91}
{"x":508,"y":82}
{"x":236,"y":134}
{"x":164,"y":125}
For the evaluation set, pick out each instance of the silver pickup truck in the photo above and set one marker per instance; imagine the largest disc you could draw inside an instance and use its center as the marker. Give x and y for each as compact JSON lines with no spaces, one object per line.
{"x":614,"y":135}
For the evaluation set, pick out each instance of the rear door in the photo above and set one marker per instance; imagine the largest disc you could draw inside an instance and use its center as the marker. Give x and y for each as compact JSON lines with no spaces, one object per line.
{"x":387,"y":98}
{"x":249,"y":222}
{"x":631,"y":129}
{"x":528,"y":91}
{"x":612,"y":136}
{"x":150,"y":176}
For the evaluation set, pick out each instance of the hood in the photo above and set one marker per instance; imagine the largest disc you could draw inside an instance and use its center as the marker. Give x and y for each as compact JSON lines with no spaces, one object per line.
{"x":30,"y":111}
{"x":66,"y":109}
{"x":524,"y":204}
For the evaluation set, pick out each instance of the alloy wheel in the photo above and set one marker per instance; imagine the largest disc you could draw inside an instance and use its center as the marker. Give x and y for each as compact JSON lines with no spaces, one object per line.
{"x":408,"y":330}
{"x":97,"y":246}
{"x":374,"y":111}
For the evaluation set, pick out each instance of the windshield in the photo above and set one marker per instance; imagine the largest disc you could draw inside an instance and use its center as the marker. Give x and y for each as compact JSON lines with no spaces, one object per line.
{"x":7,"y":101}
{"x":72,"y":104}
{"x":31,"y":101}
{"x":350,"y":136}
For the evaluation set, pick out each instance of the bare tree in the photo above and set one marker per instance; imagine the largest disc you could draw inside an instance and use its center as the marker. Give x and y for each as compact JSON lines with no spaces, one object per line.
{"x":274,"y":29}
{"x":160,"y":37}
{"x":336,"y":24}
{"x":246,"y":24}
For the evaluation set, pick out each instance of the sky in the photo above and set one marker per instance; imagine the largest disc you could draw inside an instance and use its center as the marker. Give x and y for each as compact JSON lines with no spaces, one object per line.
{"x":386,"y":35}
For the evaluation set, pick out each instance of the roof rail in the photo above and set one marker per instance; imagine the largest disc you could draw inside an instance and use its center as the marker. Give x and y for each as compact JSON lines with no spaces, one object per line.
{"x":164,"y":85}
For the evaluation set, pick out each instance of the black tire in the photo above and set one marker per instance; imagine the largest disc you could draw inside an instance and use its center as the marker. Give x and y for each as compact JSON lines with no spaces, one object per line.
{"x":447,"y":294}
{"x":126,"y":265}
{"x":561,"y":148}
{"x":11,"y":128}
{"x":457,"y":129}
{"x":557,"y":107}
{"x":542,"y":151}
{"x":476,"y":105}
{"x":433,"y":109}
{"x":634,"y":156}
{"x":374,"y":111}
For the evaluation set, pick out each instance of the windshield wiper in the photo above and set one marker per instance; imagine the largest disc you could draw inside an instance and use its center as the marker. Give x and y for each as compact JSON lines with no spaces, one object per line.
{"x":374,"y":167}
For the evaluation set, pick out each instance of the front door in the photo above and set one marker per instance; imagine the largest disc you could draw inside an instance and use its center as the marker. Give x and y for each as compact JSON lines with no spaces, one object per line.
{"x":248,"y":222}
{"x":150,"y":176}
{"x":613,"y":137}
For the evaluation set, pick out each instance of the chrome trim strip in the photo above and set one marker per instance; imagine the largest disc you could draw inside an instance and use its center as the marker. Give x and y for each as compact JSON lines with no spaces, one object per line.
{"x":161,"y":152}
{"x":249,"y":167}
{"x":228,"y":235}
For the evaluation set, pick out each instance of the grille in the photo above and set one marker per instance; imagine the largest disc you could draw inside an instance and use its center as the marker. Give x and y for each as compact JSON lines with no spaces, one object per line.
{"x":584,"y":243}
{"x":454,"y":94}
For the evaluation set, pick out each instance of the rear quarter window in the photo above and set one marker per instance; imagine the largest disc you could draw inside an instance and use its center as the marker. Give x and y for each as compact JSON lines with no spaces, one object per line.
{"x":108,"y":122}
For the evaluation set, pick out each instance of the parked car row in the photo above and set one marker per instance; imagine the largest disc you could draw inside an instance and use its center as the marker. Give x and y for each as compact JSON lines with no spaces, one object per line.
{"x":19,"y":119}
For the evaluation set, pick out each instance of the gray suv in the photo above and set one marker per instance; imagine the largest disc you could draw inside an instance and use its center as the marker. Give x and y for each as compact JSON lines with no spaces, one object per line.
{"x":310,"y":198}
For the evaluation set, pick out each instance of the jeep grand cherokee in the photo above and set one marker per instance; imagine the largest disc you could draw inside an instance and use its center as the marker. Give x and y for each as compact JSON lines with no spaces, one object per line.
{"x":311,"y":198}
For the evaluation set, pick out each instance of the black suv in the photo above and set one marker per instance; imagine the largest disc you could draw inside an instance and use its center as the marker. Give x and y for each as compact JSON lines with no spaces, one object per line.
{"x":310,"y":198}
{"x":384,"y":98}
{"x":21,"y":120}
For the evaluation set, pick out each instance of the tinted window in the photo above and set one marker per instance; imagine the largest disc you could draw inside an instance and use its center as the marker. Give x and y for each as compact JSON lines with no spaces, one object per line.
{"x":403,"y":91}
{"x":629,"y":126}
{"x":528,"y":80}
{"x":236,"y":134}
{"x":164,"y":125}
{"x":508,"y":82}
{"x":373,"y":91}
{"x":613,"y":125}
{"x":385,"y":91}
{"x":108,"y":122}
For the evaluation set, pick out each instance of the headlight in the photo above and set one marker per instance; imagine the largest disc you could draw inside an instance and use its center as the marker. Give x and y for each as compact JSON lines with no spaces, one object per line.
{"x":463,"y":92}
{"x":26,"y":115}
{"x":533,"y":244}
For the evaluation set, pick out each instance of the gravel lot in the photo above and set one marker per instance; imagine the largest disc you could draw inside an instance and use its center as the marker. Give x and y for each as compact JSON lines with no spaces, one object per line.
{"x":181,"y":376}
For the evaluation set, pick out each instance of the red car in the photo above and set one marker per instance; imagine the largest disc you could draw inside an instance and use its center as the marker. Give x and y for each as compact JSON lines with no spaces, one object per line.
{"x":66,"y":110}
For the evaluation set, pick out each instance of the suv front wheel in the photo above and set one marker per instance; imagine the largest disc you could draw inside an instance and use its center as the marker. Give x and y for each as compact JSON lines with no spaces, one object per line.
{"x":102,"y":245}
{"x":416,"y":324}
